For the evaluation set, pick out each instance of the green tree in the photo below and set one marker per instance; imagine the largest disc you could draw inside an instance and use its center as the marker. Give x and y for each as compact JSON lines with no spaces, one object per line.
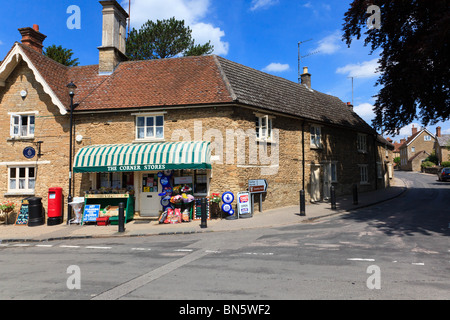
{"x":415,"y":59}
{"x":61,"y":55}
{"x":164,"y":39}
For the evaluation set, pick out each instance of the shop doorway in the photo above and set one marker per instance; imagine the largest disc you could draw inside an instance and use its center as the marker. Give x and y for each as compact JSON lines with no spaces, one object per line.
{"x":150,"y":202}
{"x":315,"y":183}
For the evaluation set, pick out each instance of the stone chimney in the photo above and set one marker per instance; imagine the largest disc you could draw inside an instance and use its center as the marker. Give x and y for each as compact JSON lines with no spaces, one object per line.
{"x":306,"y":78}
{"x":349,"y":104}
{"x":414,"y":130}
{"x":112,"y":51}
{"x":402,"y":141}
{"x":31,"y":37}
{"x":438,"y":131}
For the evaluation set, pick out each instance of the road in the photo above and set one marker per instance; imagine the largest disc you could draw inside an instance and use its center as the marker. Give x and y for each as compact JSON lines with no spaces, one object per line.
{"x":395,"y":250}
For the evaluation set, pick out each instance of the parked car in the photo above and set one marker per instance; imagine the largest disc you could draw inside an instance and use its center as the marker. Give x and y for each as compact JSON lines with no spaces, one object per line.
{"x":444,"y":174}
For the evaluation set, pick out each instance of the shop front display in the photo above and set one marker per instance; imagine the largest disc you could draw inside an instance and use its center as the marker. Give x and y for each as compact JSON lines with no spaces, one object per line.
{"x":161,"y":176}
{"x":107,"y":205}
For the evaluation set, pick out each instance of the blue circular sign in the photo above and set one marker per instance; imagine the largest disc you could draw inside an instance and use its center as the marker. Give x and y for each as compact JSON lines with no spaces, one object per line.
{"x":228,"y":198}
{"x":29,"y":152}
{"x":231,"y":212}
{"x":227,"y":207}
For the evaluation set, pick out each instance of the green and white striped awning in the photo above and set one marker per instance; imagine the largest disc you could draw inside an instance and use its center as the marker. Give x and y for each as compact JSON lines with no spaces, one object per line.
{"x":143,"y":157}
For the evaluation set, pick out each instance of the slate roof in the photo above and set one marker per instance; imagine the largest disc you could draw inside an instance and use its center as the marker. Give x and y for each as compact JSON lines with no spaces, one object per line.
{"x":444,"y":140}
{"x":189,"y":81}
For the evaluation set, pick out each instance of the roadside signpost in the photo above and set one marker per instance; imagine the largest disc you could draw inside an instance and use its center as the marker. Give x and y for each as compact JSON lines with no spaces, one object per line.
{"x":257,"y":187}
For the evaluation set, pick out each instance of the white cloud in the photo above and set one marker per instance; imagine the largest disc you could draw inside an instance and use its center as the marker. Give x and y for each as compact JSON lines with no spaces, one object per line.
{"x":407,"y":130}
{"x":1,"y":42}
{"x":262,"y":4}
{"x":446,"y":131}
{"x":366,"y":69}
{"x":191,"y":11}
{"x":329,"y":44}
{"x":365,"y":110}
{"x":276,"y":67}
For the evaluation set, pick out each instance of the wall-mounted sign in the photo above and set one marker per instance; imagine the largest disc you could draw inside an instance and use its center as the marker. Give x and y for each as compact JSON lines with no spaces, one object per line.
{"x":29,"y":152}
{"x":257,"y":186}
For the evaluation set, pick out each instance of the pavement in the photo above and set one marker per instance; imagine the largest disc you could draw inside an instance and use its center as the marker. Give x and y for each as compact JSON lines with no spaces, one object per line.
{"x":145,"y":227}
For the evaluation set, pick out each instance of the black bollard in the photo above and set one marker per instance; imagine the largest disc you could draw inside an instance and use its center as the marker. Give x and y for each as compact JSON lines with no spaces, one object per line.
{"x":302,"y":203}
{"x":121,"y":217}
{"x":203,"y":225}
{"x":333,"y":197}
{"x":355,"y":194}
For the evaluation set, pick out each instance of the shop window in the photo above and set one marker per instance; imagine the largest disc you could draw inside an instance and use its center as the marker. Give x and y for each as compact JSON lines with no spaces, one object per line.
{"x":116,"y":180}
{"x":150,"y":128}
{"x":201,"y":183}
{"x":22,"y":179}
{"x":22,"y":126}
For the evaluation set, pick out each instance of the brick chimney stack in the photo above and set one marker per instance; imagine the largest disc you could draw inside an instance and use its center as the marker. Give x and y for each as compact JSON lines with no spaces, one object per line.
{"x":414,"y":130}
{"x":438,"y":131}
{"x":32,"y":38}
{"x":306,"y":78}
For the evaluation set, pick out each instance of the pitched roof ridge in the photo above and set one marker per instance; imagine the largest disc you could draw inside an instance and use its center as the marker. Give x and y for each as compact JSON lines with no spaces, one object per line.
{"x":225,"y":79}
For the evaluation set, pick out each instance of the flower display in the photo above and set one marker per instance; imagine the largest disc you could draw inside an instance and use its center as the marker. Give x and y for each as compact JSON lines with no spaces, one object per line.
{"x":7,"y":206}
{"x":188,"y":198}
{"x":215,"y":198}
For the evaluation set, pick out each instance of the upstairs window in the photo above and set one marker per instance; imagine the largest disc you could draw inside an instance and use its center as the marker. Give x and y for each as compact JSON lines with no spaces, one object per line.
{"x":362,"y":143}
{"x":316,"y":137}
{"x":150,"y":128}
{"x":263,"y":128}
{"x":427,"y":138}
{"x":22,"y":126}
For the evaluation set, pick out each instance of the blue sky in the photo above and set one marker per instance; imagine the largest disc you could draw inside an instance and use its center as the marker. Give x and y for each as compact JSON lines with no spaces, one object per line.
{"x":262,"y":34}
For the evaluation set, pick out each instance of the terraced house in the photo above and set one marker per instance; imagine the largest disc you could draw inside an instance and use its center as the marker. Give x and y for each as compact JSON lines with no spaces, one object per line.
{"x":216,"y":123}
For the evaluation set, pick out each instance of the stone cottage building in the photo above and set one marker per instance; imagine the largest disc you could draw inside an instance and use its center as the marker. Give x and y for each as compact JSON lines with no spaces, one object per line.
{"x":414,"y":150}
{"x":216,"y":123}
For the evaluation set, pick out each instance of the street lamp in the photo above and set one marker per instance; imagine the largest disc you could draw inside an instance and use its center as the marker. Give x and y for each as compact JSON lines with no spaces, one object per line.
{"x":71,"y":90}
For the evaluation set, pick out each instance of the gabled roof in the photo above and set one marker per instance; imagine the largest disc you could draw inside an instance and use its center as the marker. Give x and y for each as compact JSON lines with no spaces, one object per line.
{"x":186,"y":81}
{"x":50,"y":74}
{"x":414,"y":137}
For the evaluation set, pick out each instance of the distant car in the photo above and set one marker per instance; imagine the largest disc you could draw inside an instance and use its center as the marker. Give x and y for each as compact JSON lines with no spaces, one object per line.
{"x":444,"y":174}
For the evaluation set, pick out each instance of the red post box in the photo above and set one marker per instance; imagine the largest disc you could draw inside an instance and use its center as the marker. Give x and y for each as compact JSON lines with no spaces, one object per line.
{"x":55,"y":206}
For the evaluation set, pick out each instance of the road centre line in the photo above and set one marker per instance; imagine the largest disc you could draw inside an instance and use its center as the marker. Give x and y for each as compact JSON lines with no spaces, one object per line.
{"x":360,"y":259}
{"x":99,"y":248}
{"x":69,"y":247}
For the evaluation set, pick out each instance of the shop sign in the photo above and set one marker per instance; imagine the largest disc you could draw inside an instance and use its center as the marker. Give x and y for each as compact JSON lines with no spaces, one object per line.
{"x":244,"y":204}
{"x":257,"y":186}
{"x":91,"y":213}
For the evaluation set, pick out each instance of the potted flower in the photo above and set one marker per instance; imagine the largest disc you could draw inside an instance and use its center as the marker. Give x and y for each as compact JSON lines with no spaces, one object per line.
{"x":214,"y":205}
{"x":6,"y":207}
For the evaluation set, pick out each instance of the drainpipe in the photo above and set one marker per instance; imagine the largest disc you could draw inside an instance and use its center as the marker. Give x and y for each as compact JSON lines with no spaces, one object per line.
{"x":303,"y":154}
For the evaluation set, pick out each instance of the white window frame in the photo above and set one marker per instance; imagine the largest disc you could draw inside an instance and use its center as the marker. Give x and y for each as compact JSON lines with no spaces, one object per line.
{"x":146,"y":127}
{"x":363,"y":174}
{"x":24,"y":181}
{"x":264,"y":132}
{"x":315,"y":136}
{"x":361,"y":143}
{"x":427,"y":138}
{"x":17,"y":128}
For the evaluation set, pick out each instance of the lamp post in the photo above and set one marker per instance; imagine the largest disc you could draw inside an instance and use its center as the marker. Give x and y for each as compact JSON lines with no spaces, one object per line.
{"x":71,"y":87}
